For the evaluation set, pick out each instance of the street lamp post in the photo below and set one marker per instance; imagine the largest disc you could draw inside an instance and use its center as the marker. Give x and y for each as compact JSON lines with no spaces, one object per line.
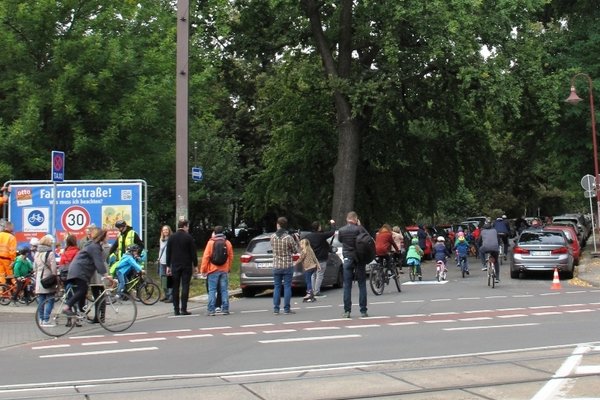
{"x":574,"y":99}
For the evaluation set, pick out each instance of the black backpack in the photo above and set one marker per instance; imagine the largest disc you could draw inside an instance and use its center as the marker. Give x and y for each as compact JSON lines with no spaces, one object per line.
{"x":219,"y":252}
{"x":365,"y":248}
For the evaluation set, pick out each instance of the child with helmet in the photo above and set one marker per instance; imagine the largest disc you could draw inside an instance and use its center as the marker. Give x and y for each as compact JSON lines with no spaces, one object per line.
{"x":414,"y":255}
{"x":127,"y":265}
{"x":461,"y":247}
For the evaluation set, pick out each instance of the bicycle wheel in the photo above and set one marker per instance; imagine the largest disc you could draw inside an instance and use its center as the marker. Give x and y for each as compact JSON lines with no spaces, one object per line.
{"x":58,"y":324}
{"x":377,"y":280}
{"x":397,"y":277}
{"x":148,"y":293}
{"x":5,"y":295}
{"x":117,"y":314}
{"x":438,"y":274}
{"x":462,"y":267}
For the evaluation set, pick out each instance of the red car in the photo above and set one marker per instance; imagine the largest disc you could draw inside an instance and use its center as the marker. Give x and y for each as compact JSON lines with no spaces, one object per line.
{"x":427,"y":251}
{"x":571,"y":238}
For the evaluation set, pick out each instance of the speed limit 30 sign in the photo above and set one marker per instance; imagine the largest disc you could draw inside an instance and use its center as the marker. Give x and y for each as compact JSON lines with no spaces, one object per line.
{"x":75,"y":219}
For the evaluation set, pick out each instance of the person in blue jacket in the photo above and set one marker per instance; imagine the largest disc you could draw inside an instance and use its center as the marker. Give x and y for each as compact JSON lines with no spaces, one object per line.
{"x":127,"y":265}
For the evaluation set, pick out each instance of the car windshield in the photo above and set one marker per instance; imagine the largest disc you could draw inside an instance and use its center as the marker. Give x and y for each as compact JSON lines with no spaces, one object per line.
{"x":542,"y":238}
{"x":260,"y":247}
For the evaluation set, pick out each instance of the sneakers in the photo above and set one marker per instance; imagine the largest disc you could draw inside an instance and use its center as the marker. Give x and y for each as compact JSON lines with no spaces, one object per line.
{"x":484,"y":269}
{"x":211,"y":314}
{"x":48,"y":324}
{"x":288,"y":312}
{"x":364,"y":314}
{"x":467,"y":272}
{"x":346,"y":314}
{"x":275,"y":312}
{"x":218,"y":310}
{"x":226,"y":312}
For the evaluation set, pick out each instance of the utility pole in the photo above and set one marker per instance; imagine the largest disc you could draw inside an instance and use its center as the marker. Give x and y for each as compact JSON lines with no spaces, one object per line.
{"x":181,"y":113}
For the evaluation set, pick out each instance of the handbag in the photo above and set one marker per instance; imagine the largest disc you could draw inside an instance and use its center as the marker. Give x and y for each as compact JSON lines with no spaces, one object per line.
{"x":50,"y":281}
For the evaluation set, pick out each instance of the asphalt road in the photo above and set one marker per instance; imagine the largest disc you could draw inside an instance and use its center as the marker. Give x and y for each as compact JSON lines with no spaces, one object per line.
{"x":458,"y":339}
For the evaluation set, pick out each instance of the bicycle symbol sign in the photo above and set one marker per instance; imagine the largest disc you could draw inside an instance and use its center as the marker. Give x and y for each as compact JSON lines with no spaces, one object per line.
{"x":36,"y":218}
{"x":75,"y":219}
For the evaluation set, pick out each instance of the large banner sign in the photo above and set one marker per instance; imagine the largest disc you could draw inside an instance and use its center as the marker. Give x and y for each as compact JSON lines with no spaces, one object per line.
{"x":36,"y":209}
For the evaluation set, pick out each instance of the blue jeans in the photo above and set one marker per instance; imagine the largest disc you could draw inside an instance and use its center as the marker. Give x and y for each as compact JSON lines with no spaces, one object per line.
{"x":221,"y":279}
{"x":282,"y":276}
{"x":308,"y":277}
{"x":44,"y":315}
{"x":350,"y":270}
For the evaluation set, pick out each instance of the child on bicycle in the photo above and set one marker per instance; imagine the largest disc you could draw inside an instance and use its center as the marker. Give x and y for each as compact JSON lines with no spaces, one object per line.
{"x":21,"y":270}
{"x":414,"y":255}
{"x":126,"y":266}
{"x":440,"y":251}
{"x":461,"y":247}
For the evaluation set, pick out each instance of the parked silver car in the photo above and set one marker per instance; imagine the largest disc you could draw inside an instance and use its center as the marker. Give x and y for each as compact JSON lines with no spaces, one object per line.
{"x":541,"y":250}
{"x":256,"y":269}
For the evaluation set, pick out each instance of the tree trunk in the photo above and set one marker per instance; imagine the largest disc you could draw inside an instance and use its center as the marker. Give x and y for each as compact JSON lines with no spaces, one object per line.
{"x":344,"y":172}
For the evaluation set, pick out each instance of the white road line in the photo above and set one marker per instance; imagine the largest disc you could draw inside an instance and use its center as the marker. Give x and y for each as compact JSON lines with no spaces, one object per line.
{"x":54,"y":346}
{"x":410,"y":315}
{"x":576,"y":291}
{"x":512,"y":316}
{"x":281,"y":331}
{"x":298,"y":322}
{"x":518,"y":296}
{"x":156,"y":339}
{"x":214,"y":328}
{"x":382,"y":302}
{"x":131,"y":334}
{"x":572,"y":305}
{"x":174,"y":331}
{"x":579,"y":311}
{"x":445,"y":313}
{"x":433,"y":300}
{"x":256,"y":325}
{"x":469,"y":298}
{"x":309,"y":339}
{"x":472,"y":328}
{"x":475,"y":319}
{"x":100,"y":352}
{"x":413,"y":301}
{"x":550,"y":294}
{"x":322,"y":306}
{"x":439,"y":321}
{"x":376,"y":317}
{"x":322,"y":328}
{"x":253,"y":311}
{"x":538,"y":307}
{"x":363,"y":326}
{"x":495,"y":297}
{"x":238,"y":333}
{"x":99,"y":343}
{"x":195,"y":336}
{"x":553,"y":387}
{"x":547,"y":313}
{"x":510,"y":309}
{"x":588,"y":370}
{"x":477,"y":311}
{"x":86,"y":337}
{"x":402,"y":323}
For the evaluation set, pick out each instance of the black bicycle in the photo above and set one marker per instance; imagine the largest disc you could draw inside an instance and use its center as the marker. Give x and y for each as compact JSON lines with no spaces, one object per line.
{"x":382,"y":272}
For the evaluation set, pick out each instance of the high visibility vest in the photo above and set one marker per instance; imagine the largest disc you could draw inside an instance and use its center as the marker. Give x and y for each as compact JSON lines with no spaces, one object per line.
{"x":124,"y":243}
{"x":8,"y":246}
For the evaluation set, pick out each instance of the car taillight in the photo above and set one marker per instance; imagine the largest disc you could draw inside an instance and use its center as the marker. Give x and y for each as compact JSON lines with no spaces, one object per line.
{"x":520,"y":250}
{"x":560,"y":250}
{"x":246,"y":258}
{"x":295,"y":257}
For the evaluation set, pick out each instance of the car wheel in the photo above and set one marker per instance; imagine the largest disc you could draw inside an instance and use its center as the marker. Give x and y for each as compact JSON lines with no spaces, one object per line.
{"x":568,"y":275}
{"x":340,"y":279}
{"x":514,"y":274}
{"x":248,"y":292}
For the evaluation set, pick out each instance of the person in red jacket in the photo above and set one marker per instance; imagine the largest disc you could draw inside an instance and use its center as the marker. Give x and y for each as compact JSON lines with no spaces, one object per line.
{"x":216,"y":268}
{"x":71,"y":250}
{"x":384,"y":242}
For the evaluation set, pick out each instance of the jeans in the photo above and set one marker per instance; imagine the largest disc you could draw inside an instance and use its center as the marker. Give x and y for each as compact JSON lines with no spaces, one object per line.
{"x":350,"y":270}
{"x":317,"y":278}
{"x":308,"y":277}
{"x":44,"y":315}
{"x":220,"y":279}
{"x":282,"y":276}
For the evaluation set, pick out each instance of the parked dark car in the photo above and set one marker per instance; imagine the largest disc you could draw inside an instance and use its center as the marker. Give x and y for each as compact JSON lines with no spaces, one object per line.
{"x":256,"y":269}
{"x":541,"y":250}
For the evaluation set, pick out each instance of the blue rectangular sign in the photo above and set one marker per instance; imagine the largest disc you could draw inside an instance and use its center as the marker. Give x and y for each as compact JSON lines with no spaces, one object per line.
{"x":77,"y":206}
{"x":58,"y":166}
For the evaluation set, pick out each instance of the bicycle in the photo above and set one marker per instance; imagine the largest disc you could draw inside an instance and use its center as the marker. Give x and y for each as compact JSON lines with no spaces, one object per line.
{"x":490,"y":264}
{"x":145,"y":290}
{"x":462,"y":264}
{"x":7,"y":291}
{"x":115,"y":313}
{"x":441,"y":273}
{"x":413,"y":269}
{"x":382,"y":272}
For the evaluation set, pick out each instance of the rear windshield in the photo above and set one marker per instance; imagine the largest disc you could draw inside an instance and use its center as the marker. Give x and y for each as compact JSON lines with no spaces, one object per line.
{"x":262,"y":246}
{"x":544,"y":237}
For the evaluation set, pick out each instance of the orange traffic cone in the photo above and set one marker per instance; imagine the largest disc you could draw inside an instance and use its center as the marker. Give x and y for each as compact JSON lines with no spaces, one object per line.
{"x":555,"y":281}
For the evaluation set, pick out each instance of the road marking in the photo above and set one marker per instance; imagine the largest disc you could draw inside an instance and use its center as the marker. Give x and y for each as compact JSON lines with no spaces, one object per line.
{"x":363,"y":326}
{"x":281,"y":331}
{"x":413,"y":301}
{"x":588,"y":370}
{"x":472,"y":328}
{"x":424,"y":283}
{"x":538,"y":307}
{"x":579,"y":311}
{"x":402,"y":323}
{"x":100,"y":343}
{"x":475,"y":319}
{"x":550,"y":294}
{"x":518,"y":296}
{"x":477,"y":311}
{"x":445,"y":313}
{"x":410,"y":315}
{"x":382,"y":302}
{"x":432,"y":300}
{"x":101,"y":352}
{"x":174,"y":331}
{"x":86,"y":337}
{"x":495,"y":297}
{"x":238,"y":333}
{"x":439,"y":321}
{"x":252,"y":311}
{"x":308,"y":339}
{"x":256,"y":325}
{"x":572,"y":305}
{"x":322,"y":328}
{"x":131,"y":334}
{"x":157,"y":339}
{"x":298,"y":322}
{"x":554,"y":386}
{"x":195,"y":336}
{"x":214,"y":328}
{"x":510,"y":309}
{"x":469,"y":298}
{"x":547,"y":313}
{"x":512,"y":316}
{"x":322,"y":306}
{"x":54,"y":346}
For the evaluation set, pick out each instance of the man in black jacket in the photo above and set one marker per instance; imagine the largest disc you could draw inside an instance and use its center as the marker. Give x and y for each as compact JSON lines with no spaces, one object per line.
{"x":182,"y":259}
{"x":320,"y":245}
{"x":352,"y":267}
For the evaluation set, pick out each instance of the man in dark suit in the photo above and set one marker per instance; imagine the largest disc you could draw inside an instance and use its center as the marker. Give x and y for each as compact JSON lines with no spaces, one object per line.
{"x":182,"y":259}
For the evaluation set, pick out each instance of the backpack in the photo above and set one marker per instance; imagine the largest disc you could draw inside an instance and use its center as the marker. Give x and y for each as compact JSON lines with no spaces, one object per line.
{"x":365,"y":247}
{"x":219,"y":252}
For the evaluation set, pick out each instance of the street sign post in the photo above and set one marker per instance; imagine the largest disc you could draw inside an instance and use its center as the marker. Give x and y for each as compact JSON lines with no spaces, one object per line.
{"x":197,"y":174}
{"x":58,"y":166}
